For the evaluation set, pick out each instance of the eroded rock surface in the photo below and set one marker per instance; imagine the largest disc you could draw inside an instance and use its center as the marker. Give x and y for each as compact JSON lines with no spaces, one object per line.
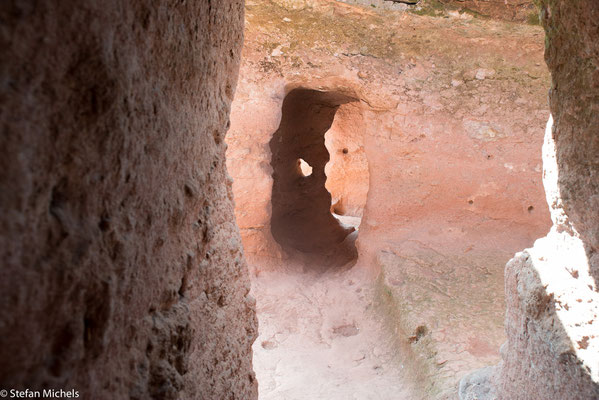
{"x":552,"y":348}
{"x":348,"y":177}
{"x":448,"y":128}
{"x":122,"y":274}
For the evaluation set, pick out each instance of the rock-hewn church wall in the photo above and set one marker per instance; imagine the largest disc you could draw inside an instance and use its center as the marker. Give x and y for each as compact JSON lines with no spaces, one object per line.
{"x":122,"y":274}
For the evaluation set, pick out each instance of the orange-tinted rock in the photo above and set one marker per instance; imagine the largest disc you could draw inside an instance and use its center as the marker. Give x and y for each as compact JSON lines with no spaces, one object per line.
{"x":348,"y":178}
{"x":427,"y":150}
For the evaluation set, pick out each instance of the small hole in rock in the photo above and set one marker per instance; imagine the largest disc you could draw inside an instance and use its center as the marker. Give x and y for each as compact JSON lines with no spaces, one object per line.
{"x":418,"y":334}
{"x":104,"y":224}
{"x":305,"y":168}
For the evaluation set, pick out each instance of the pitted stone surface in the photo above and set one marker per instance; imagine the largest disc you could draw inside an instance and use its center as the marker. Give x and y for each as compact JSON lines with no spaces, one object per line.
{"x":122,"y":274}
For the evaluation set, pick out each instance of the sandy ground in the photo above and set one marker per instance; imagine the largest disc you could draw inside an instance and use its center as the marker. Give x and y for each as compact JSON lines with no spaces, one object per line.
{"x":320,"y":338}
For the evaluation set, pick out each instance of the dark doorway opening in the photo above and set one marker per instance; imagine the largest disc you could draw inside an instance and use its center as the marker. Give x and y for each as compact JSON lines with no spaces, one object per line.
{"x":301,"y":220}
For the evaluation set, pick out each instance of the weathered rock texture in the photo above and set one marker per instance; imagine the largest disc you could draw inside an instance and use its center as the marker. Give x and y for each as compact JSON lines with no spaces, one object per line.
{"x":573,"y":57}
{"x":449,"y":124}
{"x":122,"y":274}
{"x":552,"y":349}
{"x":512,"y":10}
{"x":445,"y":128}
{"x":348,"y":178}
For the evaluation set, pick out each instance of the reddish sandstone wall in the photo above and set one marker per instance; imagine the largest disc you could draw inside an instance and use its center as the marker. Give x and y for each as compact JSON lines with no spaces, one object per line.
{"x":449,"y":123}
{"x":122,"y":274}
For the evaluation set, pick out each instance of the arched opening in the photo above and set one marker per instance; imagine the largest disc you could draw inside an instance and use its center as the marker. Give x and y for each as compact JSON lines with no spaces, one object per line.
{"x":302,"y":222}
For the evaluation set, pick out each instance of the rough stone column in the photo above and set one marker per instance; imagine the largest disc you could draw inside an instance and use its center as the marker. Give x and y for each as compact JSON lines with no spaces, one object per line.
{"x":122,"y":273}
{"x":572,"y":54}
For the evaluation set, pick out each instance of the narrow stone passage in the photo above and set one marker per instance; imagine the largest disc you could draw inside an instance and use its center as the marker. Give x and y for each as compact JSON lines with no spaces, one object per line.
{"x":150,"y":157}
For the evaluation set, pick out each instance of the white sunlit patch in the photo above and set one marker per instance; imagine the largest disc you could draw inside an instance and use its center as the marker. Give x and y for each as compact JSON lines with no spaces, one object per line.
{"x":305,"y":167}
{"x":563,"y":268}
{"x":561,"y":263}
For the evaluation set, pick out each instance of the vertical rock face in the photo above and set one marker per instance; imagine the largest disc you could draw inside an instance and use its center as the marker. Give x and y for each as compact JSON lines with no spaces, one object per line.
{"x":437,"y":152}
{"x":122,"y":274}
{"x":572,"y":54}
{"x":552,"y":299}
{"x":347,"y":173}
